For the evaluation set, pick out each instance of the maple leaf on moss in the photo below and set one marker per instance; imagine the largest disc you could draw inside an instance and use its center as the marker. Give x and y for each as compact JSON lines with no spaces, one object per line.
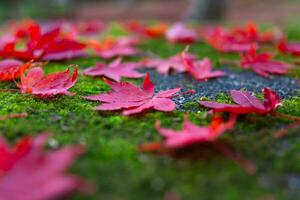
{"x":34,"y":82}
{"x":246,"y":103}
{"x":201,"y":70}
{"x":133,"y":99}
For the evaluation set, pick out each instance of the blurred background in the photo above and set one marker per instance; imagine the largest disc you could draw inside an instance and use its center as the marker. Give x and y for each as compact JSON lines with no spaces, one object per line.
{"x":278,"y":11}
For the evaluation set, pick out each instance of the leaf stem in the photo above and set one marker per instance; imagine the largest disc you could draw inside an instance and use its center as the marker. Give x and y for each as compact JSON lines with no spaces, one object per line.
{"x":247,"y":165}
{"x":10,"y":116}
{"x":286,"y":129}
{"x":9,"y":90}
{"x":285,"y":116}
{"x":229,"y":62}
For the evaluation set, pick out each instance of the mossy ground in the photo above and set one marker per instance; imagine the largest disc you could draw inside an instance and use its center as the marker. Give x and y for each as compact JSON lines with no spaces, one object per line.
{"x":118,"y":171}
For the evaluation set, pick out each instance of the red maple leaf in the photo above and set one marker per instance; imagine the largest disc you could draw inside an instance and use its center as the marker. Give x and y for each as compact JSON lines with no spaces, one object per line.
{"x":201,"y":70}
{"x":27,"y":172}
{"x":292,"y":48}
{"x":239,"y":39}
{"x":7,"y":44}
{"x":35,"y":83}
{"x":263,"y":64}
{"x":219,"y":39}
{"x":164,"y":66}
{"x":115,"y":70}
{"x":152,"y":31}
{"x":118,"y":48}
{"x":90,"y":28}
{"x":251,"y":33}
{"x":246,"y":103}
{"x":10,"y":69}
{"x":64,"y":49}
{"x":179,"y":33}
{"x":191,"y":133}
{"x":133,"y":99}
{"x":49,"y":45}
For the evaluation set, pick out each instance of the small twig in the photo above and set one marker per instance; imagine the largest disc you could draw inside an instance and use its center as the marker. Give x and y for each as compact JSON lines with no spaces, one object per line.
{"x":10,"y":116}
{"x":9,"y":90}
{"x":229,"y":62}
{"x":296,"y":62}
{"x":286,"y":129}
{"x":189,"y":92}
{"x":247,"y":165}
{"x":285,"y":116}
{"x":150,"y":147}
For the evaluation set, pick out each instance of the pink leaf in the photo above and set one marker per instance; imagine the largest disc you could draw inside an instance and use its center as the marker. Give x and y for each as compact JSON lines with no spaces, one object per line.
{"x":179,"y":33}
{"x":201,"y":70}
{"x":263,"y":64}
{"x":191,"y":133}
{"x":28,"y":172}
{"x":50,"y":85}
{"x":119,"y":48}
{"x":10,"y":69}
{"x":133,"y":99}
{"x":219,"y":39}
{"x":115,"y":70}
{"x":246,"y":103}
{"x":164,"y":66}
{"x":292,"y":48}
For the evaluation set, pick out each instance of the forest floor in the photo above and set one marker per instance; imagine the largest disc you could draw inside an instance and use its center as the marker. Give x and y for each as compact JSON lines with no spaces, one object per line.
{"x":118,"y":170}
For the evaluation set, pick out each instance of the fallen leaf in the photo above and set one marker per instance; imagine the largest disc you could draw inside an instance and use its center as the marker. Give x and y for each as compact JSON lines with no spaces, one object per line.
{"x":10,"y":69}
{"x":35,"y":83}
{"x":152,"y":31}
{"x":28,"y":172}
{"x":64,"y":49}
{"x":246,"y":103}
{"x":39,"y":45}
{"x":290,"y":47}
{"x":133,"y":99}
{"x":179,"y":33}
{"x":122,"y":47}
{"x":201,"y":70}
{"x":239,"y":39}
{"x":191,"y":133}
{"x":219,"y":39}
{"x":263,"y":64}
{"x":115,"y":70}
{"x":164,"y":66}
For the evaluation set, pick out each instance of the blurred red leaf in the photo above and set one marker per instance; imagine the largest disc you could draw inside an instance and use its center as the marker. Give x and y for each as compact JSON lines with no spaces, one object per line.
{"x":10,"y":69}
{"x":28,"y":172}
{"x":42,"y":45}
{"x":191,"y":133}
{"x":263,"y":64}
{"x":179,"y":33}
{"x":292,"y":48}
{"x":118,"y":48}
{"x":114,"y":70}
{"x":201,"y":70}
{"x":164,"y":66}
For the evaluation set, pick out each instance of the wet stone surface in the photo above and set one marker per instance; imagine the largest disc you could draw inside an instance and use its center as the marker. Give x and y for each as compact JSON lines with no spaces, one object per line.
{"x":286,"y":87}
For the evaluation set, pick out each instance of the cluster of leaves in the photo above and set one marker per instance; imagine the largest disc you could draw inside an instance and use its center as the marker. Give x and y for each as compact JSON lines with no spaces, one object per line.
{"x":65,"y":41}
